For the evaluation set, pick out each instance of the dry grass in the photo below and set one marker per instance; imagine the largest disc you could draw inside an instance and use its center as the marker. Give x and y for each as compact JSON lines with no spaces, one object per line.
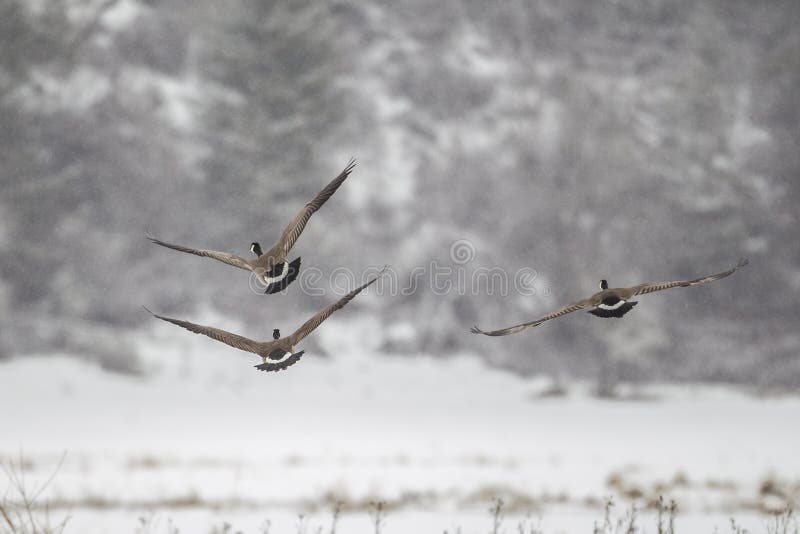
{"x":22,"y":510}
{"x":784,"y":522}
{"x":622,"y":525}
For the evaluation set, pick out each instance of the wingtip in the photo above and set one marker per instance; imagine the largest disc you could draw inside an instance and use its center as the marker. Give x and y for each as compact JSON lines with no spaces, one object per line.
{"x":378,"y":275}
{"x":742,"y":262}
{"x":476,"y":330}
{"x":351,"y":164}
{"x":145,"y":308}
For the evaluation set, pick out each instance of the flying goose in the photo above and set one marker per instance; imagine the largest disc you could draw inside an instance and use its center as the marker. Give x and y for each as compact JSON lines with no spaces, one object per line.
{"x":610,"y":302}
{"x":271,"y":267}
{"x":277,"y":354}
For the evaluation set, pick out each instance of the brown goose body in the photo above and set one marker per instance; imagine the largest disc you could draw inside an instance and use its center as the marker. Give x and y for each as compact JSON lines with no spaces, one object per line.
{"x":277,"y":354}
{"x":611,"y":302}
{"x":271,"y":267}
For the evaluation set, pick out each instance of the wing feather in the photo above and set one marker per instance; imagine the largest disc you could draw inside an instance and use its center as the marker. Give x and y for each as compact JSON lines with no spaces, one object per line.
{"x":224,"y":257}
{"x":518,"y":328}
{"x":293,"y":230}
{"x":323,"y":314}
{"x":652,"y":287}
{"x":233,"y":340}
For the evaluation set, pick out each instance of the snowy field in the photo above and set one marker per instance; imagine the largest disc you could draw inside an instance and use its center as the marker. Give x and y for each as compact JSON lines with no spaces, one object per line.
{"x":204,"y":439}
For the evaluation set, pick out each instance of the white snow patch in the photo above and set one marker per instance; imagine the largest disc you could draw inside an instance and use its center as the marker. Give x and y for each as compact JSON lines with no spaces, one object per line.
{"x":473,"y":53}
{"x":745,"y":134}
{"x":401,"y":332}
{"x":393,"y":177}
{"x":83,"y":88}
{"x":177,"y":101}
{"x":121,"y":14}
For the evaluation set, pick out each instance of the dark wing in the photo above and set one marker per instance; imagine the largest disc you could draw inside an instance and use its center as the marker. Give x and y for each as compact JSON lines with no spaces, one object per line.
{"x":292,"y":232}
{"x":323,"y":314}
{"x":643,"y":289}
{"x":514,"y":329}
{"x":224,"y":257}
{"x":235,"y":341}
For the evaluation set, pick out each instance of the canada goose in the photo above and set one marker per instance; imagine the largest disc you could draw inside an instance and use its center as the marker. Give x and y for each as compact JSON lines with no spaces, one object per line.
{"x":277,"y":354}
{"x":271,"y":267}
{"x":610,"y":302}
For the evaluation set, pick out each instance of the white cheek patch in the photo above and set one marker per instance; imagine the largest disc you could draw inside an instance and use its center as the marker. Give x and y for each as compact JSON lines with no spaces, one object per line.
{"x":284,"y":272}
{"x":613,"y":306}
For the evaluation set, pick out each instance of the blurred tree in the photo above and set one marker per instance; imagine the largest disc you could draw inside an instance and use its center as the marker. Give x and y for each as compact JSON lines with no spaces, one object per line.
{"x":627,"y":140}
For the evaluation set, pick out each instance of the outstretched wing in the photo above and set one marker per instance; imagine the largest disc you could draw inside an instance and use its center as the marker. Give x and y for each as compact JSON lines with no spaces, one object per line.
{"x":643,"y":289}
{"x":518,"y":328}
{"x":323,"y":314}
{"x":292,"y":232}
{"x":224,"y":257}
{"x":235,"y":341}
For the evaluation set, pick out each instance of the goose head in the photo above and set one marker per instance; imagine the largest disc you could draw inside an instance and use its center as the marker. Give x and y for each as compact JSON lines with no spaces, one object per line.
{"x":276,"y":334}
{"x":255,"y":248}
{"x":603,"y":284}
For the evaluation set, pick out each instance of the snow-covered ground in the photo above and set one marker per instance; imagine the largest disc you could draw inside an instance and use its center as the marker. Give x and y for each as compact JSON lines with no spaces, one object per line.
{"x":204,"y":439}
